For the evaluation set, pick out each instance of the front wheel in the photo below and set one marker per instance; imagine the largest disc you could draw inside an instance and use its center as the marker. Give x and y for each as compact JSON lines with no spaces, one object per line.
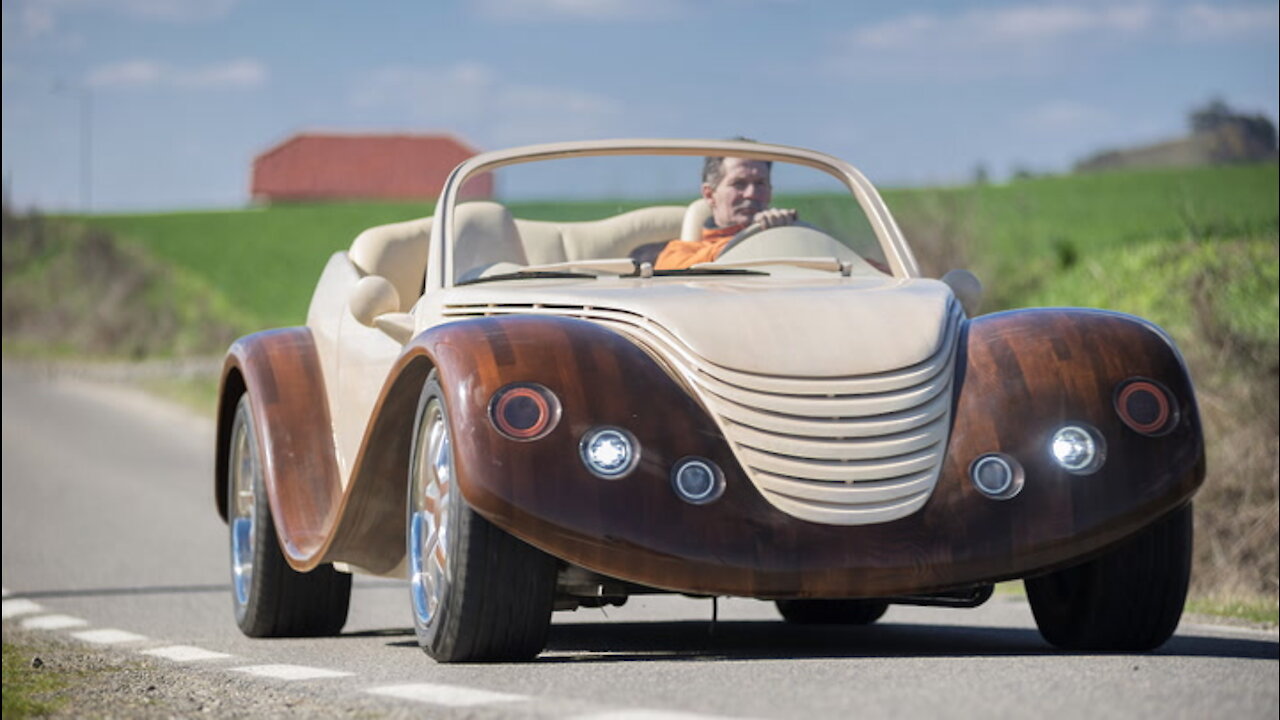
{"x":270,"y":598}
{"x":832,"y":612}
{"x":1128,"y":599}
{"x":478,"y":593}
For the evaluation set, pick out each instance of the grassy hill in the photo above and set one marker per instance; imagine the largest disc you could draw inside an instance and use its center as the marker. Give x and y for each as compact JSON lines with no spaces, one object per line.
{"x":1194,"y":250}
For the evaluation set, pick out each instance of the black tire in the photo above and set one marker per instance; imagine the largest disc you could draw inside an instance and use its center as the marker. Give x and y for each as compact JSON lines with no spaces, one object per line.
{"x":491,"y":597}
{"x":270,"y":598}
{"x":832,"y":612}
{"x":1129,"y":599}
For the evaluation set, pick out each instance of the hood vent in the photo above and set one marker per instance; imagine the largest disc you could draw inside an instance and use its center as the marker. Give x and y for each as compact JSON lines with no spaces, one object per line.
{"x":843,"y":450}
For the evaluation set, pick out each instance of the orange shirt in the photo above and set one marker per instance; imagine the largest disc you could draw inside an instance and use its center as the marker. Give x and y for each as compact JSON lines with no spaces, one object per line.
{"x":681,"y":254}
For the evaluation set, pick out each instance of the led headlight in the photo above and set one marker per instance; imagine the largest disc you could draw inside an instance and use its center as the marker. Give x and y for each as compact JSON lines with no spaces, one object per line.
{"x":996,"y":475}
{"x":609,"y":452}
{"x":697,"y":480}
{"x":1078,"y":449}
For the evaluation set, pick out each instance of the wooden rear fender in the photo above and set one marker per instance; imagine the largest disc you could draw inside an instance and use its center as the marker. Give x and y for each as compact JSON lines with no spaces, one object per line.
{"x":316,"y":521}
{"x":281,"y":373}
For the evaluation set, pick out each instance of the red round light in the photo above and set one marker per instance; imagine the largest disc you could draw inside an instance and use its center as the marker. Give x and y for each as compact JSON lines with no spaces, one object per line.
{"x":1145,"y":406}
{"x":524,"y":411}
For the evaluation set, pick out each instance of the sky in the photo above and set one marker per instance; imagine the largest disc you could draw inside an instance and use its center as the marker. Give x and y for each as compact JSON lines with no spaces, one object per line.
{"x":158,"y":105}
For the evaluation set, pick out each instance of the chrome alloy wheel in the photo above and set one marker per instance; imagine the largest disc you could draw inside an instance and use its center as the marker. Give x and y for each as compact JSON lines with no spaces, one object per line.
{"x":244,"y":471}
{"x":429,"y":497}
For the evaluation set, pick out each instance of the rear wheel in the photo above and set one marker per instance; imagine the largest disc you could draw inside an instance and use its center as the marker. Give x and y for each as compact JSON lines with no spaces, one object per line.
{"x":832,"y":612}
{"x":478,"y":593}
{"x":1130,"y":598}
{"x":270,"y":598}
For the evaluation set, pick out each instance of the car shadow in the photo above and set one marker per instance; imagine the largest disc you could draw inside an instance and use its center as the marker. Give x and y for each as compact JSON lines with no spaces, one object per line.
{"x":770,"y":640}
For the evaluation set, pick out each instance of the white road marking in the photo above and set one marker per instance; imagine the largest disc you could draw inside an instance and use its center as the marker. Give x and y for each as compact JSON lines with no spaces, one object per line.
{"x":14,"y":608}
{"x":185,"y":653}
{"x":291,"y":672}
{"x":53,"y":622}
{"x":108,"y":636}
{"x":641,"y":714}
{"x":450,"y":695}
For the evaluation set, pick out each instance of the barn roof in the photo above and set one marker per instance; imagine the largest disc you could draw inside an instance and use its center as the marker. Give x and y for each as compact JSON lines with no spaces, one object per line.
{"x":316,"y":165}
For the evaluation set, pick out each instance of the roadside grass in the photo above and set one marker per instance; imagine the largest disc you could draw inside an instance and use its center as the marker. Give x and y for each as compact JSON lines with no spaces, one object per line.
{"x":30,"y":689}
{"x":73,"y":290}
{"x":1257,"y":612}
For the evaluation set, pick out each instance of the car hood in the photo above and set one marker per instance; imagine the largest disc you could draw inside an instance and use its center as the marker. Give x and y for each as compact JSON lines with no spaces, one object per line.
{"x":759,"y":325}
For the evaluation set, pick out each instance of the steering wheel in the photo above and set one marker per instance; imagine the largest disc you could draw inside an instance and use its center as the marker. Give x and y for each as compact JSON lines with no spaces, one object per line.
{"x":756,"y":228}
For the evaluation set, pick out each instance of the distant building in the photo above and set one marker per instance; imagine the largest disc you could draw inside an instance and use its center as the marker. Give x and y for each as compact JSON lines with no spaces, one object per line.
{"x":331,"y":166}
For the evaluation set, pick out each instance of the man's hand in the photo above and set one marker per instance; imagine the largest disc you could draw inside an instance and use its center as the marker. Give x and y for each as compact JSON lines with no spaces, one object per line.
{"x":775,"y":217}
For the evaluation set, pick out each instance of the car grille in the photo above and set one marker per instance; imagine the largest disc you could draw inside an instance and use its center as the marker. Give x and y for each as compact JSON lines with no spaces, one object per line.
{"x":853,"y":450}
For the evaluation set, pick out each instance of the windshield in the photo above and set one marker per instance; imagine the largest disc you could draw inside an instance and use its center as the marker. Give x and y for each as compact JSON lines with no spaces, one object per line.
{"x":657,"y":215}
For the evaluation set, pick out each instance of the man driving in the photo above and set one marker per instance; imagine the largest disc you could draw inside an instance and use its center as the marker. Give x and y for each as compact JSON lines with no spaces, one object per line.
{"x":738,"y":192}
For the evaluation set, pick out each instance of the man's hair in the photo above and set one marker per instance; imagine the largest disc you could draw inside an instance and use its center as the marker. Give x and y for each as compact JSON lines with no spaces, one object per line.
{"x":713,"y":167}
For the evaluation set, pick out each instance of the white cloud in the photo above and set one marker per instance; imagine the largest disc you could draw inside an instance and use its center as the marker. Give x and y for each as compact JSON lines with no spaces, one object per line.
{"x":138,"y":74}
{"x":41,"y":18}
{"x":599,"y":10}
{"x":472,"y":98}
{"x":1012,"y":26}
{"x":1218,"y":22}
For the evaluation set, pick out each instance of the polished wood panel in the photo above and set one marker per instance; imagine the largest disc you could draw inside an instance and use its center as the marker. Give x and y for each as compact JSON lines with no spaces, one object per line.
{"x":1022,"y":375}
{"x":315,"y":520}
{"x":281,"y":373}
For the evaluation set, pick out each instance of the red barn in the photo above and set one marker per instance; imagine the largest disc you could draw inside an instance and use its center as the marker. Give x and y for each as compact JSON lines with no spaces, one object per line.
{"x":327,"y":166}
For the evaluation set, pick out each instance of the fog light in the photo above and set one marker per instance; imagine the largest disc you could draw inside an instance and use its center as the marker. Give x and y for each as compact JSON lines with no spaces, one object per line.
{"x":697,"y":480}
{"x":996,"y":475}
{"x":1078,"y":449}
{"x":609,"y":452}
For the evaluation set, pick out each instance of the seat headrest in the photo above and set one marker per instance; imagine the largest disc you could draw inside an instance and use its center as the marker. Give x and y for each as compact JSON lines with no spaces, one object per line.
{"x":695,"y":219}
{"x":486,"y":234}
{"x":398,"y":252}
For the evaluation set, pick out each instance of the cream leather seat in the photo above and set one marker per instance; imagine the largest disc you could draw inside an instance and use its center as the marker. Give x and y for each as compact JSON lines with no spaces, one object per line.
{"x":397,"y":252}
{"x":485,"y":236}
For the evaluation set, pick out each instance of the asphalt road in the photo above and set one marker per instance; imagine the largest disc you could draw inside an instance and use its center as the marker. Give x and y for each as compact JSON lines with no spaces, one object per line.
{"x":109,"y":525}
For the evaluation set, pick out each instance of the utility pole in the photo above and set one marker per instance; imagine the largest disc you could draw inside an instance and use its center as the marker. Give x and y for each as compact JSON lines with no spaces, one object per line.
{"x":86,"y":149}
{"x":85,"y":97}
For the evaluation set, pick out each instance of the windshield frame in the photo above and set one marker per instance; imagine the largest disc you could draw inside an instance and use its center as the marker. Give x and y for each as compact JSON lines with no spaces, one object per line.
{"x":440,"y":270}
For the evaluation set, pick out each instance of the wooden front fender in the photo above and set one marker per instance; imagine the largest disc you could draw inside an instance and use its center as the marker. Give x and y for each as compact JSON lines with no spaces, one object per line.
{"x":1021,"y":375}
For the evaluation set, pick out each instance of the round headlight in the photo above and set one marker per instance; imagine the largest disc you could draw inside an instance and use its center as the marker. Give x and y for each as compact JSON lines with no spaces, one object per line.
{"x":524,"y":411}
{"x":1077,"y":449}
{"x":996,"y":475}
{"x":697,"y":480}
{"x":609,"y":452}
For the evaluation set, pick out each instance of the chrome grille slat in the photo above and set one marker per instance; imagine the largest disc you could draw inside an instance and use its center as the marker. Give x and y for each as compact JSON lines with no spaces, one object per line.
{"x":840,"y":470}
{"x":846,"y":492}
{"x":846,"y":450}
{"x":886,"y":424}
{"x":827,"y":449}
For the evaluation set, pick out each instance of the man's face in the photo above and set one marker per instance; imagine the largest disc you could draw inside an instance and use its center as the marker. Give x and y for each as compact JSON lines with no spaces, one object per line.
{"x":743,"y":191}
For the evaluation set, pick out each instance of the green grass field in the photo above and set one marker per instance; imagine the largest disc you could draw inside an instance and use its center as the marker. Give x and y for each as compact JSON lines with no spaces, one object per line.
{"x":1020,"y":238}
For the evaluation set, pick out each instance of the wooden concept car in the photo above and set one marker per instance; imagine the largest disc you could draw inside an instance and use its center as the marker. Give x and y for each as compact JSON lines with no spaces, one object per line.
{"x":519,"y":408}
